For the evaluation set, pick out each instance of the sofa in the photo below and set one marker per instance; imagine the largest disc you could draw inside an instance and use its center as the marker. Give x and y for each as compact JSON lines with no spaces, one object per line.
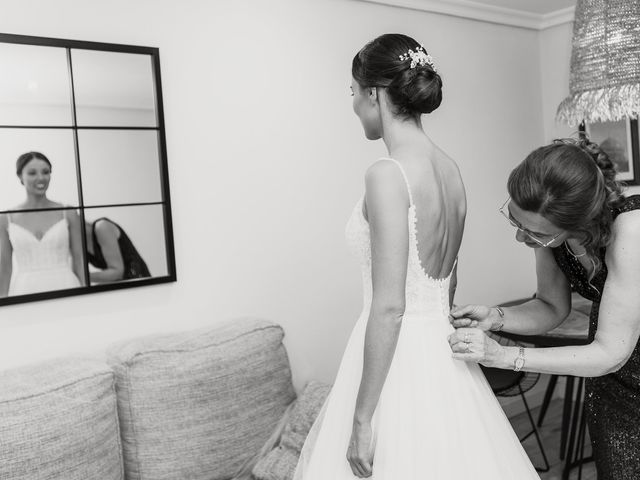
{"x":197,"y":405}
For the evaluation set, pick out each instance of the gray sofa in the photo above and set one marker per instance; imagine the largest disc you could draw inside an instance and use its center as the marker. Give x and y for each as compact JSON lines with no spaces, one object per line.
{"x":194,"y":405}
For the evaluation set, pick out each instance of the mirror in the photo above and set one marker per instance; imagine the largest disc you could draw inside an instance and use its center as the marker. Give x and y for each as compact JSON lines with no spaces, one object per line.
{"x":84,"y":193}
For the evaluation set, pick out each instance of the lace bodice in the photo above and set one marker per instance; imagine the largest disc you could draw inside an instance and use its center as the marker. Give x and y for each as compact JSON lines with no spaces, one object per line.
{"x":424,"y":294}
{"x":32,"y":254}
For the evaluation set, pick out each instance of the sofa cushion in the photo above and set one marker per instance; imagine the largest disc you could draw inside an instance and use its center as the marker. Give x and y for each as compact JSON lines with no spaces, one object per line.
{"x":197,"y":405}
{"x":59,"y":421}
{"x":280,"y":463}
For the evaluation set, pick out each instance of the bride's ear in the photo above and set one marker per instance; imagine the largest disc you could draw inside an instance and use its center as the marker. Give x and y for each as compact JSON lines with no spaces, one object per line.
{"x":373,"y":94}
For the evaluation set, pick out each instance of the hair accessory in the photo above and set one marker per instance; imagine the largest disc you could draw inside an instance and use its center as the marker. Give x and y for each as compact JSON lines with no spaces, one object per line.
{"x":419,"y":57}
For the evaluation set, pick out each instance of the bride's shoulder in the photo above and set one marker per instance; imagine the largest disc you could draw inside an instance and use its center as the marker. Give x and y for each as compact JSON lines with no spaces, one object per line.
{"x":383,"y":173}
{"x":382,"y":165}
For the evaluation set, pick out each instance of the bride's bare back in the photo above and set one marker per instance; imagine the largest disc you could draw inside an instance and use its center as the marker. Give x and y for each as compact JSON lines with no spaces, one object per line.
{"x":436,"y":190}
{"x":440,"y":210}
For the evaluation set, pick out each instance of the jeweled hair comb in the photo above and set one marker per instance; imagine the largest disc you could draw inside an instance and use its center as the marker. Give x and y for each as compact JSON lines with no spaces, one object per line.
{"x":418,"y":58}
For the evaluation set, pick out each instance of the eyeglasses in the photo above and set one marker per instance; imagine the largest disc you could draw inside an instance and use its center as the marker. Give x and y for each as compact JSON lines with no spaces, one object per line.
{"x":536,"y":238}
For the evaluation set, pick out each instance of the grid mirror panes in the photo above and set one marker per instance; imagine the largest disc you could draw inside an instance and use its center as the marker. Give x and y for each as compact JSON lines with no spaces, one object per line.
{"x":84,"y":193}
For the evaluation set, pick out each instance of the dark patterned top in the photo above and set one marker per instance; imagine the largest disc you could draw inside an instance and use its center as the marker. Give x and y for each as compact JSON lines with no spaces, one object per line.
{"x":134,"y":265}
{"x":612,"y":401}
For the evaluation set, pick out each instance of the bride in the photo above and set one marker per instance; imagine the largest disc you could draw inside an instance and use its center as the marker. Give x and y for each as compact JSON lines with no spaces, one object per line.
{"x":401,"y":407}
{"x":40,"y":242}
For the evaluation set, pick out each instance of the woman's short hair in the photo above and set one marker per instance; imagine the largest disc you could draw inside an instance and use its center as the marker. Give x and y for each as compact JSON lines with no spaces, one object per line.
{"x":412,"y":90}
{"x":571,"y":183}
{"x":26,"y":158}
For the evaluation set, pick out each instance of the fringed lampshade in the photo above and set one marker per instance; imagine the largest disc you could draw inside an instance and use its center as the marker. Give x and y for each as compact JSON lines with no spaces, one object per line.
{"x":604,"y":84}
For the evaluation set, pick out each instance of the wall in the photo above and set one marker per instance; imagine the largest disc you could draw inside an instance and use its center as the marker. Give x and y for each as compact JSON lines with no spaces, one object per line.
{"x":266,"y":160}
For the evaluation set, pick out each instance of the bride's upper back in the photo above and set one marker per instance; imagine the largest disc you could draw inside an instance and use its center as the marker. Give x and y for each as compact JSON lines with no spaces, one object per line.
{"x":437,"y":192}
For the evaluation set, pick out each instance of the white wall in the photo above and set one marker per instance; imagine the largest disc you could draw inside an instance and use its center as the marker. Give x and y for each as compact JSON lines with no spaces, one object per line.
{"x":266,"y":160}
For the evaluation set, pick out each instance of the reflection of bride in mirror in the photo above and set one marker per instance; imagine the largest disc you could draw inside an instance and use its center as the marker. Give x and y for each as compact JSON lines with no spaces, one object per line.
{"x":40,"y":248}
{"x":110,"y":249}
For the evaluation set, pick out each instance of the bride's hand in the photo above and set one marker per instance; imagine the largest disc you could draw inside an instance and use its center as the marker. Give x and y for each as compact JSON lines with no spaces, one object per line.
{"x":473,"y":316}
{"x":474,"y":345}
{"x":360,"y":454}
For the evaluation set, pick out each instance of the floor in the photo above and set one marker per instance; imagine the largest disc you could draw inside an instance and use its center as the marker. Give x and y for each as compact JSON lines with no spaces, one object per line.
{"x":550,"y":434}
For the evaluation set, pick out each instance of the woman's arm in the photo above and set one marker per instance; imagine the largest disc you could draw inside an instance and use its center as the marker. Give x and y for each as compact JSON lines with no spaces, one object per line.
{"x":546,"y":311}
{"x":552,"y":303}
{"x":618,"y":322}
{"x":6,"y":255}
{"x":107,"y":235}
{"x":75,"y":244}
{"x":453,"y":285}
{"x":387,"y":206}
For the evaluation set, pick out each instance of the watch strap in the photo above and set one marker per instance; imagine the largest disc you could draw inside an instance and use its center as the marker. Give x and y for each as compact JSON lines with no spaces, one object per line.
{"x":518,"y":363}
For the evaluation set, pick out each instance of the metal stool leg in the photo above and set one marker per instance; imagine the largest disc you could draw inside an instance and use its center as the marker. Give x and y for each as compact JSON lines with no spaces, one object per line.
{"x":547,"y":398}
{"x":581,"y":440}
{"x":535,"y":432}
{"x":566,"y":415}
{"x":577,"y":411}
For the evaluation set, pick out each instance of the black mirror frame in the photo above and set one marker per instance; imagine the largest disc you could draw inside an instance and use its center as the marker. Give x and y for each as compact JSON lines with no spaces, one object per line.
{"x":162,"y":152}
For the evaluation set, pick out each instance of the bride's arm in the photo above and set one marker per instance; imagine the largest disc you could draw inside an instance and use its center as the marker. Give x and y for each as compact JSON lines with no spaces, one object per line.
{"x":387,"y":204}
{"x":6,"y":253}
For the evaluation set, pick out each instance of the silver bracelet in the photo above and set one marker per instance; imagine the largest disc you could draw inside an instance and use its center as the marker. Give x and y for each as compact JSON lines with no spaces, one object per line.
{"x":501,"y":324}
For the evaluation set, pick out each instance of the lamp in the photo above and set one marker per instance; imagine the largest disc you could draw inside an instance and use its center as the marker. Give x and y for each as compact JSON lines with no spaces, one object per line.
{"x":604,"y":82}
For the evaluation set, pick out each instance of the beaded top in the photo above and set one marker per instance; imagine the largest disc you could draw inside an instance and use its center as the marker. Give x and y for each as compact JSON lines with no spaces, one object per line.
{"x":612,"y":401}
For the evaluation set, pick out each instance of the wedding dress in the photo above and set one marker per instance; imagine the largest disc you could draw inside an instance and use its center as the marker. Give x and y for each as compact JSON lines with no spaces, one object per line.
{"x":436,"y":418}
{"x":41,"y":264}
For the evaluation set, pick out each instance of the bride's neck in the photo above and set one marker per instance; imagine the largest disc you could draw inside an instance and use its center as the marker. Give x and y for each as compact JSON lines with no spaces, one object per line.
{"x":398,"y":133}
{"x":36,"y":202}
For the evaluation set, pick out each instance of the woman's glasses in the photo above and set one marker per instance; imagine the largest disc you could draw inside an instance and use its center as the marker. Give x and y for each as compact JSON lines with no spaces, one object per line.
{"x":543,"y":242}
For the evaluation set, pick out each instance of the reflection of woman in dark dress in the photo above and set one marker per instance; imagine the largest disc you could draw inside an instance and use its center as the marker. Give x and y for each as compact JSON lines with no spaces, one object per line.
{"x":110,"y":249}
{"x":565,"y":203}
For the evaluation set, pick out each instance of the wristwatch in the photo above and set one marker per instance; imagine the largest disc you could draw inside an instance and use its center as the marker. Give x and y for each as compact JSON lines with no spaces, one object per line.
{"x":518,"y":363}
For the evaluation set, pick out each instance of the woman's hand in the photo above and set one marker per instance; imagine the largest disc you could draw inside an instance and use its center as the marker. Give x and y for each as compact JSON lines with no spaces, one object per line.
{"x":474,"y":316}
{"x":360,"y":453}
{"x":474,"y":345}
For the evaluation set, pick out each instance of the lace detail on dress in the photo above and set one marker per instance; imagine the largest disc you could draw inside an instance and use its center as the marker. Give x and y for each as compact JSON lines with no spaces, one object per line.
{"x":41,"y":264}
{"x":423,"y":293}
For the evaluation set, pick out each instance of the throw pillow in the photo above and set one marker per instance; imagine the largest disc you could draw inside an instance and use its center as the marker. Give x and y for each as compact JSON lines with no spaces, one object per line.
{"x":280,"y":463}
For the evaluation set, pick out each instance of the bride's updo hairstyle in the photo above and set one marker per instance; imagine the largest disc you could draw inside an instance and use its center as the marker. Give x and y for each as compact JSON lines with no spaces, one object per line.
{"x":413,"y":87}
{"x":572,"y":184}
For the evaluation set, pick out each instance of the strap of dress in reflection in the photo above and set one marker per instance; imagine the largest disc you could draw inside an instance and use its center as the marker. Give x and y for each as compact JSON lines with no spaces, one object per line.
{"x":134,"y":265}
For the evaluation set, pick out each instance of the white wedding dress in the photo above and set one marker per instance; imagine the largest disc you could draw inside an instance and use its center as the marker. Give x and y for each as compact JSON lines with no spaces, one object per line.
{"x":437,"y":418}
{"x":41,"y":264}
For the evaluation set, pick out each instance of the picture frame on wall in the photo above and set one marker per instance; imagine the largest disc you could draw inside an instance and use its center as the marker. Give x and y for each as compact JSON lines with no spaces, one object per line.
{"x":620,"y":140}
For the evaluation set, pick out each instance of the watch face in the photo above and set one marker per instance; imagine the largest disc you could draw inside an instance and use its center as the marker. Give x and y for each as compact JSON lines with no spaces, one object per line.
{"x":519,"y":363}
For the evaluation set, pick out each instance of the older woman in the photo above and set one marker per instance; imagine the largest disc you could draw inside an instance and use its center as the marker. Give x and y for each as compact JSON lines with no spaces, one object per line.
{"x":566,"y":205}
